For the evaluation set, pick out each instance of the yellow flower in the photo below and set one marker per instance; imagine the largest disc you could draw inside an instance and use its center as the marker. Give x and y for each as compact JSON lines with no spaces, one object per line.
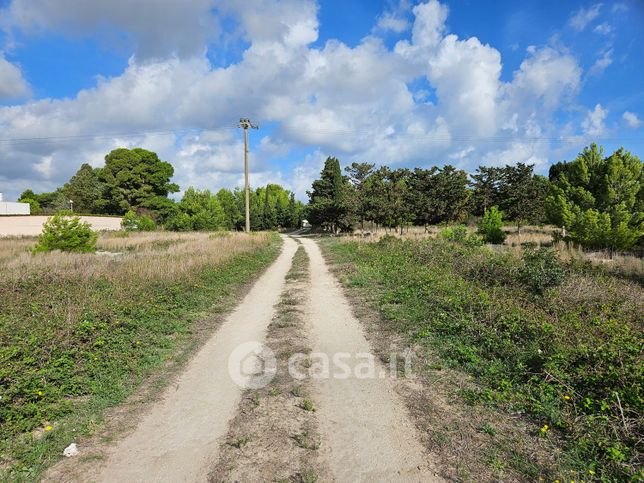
{"x":544,"y":429}
{"x":48,"y":428}
{"x":566,"y":397}
{"x":40,"y":393}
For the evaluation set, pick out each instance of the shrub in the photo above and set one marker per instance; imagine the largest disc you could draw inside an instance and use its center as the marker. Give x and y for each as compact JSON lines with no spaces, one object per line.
{"x":179,"y":222}
{"x":542,"y":269}
{"x":458,"y":234}
{"x":491,"y":226}
{"x":455,"y":233}
{"x":133,"y":222}
{"x":34,"y":206}
{"x":66,"y":233}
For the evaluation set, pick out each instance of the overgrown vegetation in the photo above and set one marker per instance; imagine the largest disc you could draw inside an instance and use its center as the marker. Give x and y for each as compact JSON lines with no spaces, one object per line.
{"x":66,"y":233}
{"x":564,"y":350}
{"x":79,"y":332}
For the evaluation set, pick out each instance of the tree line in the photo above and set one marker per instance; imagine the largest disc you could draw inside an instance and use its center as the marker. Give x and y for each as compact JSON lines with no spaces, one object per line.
{"x":135,"y":182}
{"x":597,"y":201}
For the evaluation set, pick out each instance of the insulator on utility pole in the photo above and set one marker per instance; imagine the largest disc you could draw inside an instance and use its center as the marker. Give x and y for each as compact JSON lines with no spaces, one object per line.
{"x":246,"y":124}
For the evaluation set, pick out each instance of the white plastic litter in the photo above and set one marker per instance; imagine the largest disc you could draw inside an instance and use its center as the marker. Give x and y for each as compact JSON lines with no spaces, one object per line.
{"x":71,"y":450}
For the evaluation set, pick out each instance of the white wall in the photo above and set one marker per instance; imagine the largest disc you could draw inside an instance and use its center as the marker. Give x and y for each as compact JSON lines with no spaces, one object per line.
{"x":10,"y":208}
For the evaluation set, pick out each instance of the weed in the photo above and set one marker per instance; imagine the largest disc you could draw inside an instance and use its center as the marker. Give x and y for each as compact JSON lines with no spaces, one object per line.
{"x":304,"y":441}
{"x":307,"y":475}
{"x":240,"y":442}
{"x":488,"y":429}
{"x":307,"y":405}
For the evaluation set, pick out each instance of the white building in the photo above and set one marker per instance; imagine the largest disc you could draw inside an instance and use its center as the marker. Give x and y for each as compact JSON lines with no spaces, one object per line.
{"x":13,"y":208}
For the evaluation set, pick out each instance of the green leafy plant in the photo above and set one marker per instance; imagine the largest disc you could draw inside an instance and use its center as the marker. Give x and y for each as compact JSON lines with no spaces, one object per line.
{"x":542,"y":269}
{"x":307,"y":405}
{"x":68,"y":234}
{"x":491,"y":226}
{"x":456,"y":233}
{"x":133,"y":222}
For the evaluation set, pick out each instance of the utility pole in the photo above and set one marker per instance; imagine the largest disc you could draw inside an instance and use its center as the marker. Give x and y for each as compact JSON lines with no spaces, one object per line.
{"x":246,"y":124}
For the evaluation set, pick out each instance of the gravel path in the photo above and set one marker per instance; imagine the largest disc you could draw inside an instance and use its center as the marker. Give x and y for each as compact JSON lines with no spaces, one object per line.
{"x":369,"y":434}
{"x":365,"y":431}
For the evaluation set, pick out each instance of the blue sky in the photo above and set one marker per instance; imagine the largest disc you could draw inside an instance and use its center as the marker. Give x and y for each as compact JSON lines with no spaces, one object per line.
{"x":393,"y":82}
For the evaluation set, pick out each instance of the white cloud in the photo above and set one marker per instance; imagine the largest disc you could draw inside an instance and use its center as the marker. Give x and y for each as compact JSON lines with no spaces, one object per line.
{"x":156,"y":28}
{"x":12,"y":83}
{"x":602,"y":62}
{"x":584,"y":16}
{"x":393,"y":22}
{"x":546,"y":75}
{"x":593,"y":124}
{"x":603,"y":28}
{"x":631,"y":119}
{"x":352,"y":102}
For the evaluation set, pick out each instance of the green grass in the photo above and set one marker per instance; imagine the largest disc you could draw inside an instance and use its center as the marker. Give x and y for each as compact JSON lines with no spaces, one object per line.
{"x":62,"y":367}
{"x":569,"y":357}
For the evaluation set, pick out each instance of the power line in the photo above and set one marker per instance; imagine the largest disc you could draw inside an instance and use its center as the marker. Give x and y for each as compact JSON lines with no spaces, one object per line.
{"x":53,"y":139}
{"x":459,"y":138}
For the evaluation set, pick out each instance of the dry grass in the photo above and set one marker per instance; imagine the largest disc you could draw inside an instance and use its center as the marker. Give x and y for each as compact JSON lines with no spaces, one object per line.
{"x":542,"y":236}
{"x":79,"y":332}
{"x":119,"y":258}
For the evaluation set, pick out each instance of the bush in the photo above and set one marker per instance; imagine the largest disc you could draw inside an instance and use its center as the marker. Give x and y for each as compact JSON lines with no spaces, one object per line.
{"x":179,"y":222}
{"x":34,"y":206}
{"x":133,"y":222}
{"x":458,"y":234}
{"x":66,"y":233}
{"x":542,"y":269}
{"x":491,"y":226}
{"x":455,"y":233}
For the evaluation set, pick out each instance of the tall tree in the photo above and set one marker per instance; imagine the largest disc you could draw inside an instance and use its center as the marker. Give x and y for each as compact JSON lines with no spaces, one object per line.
{"x":421,"y":196}
{"x":398,"y":207}
{"x":450,"y":194}
{"x":232,"y":214}
{"x":358,"y":173}
{"x":86,"y":190}
{"x":136,"y":178}
{"x":522,"y":194}
{"x":485,"y":188}
{"x":198,"y":210}
{"x":599,"y":200}
{"x":329,"y":203}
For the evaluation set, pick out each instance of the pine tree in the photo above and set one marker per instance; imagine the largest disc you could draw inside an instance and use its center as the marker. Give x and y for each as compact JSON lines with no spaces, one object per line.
{"x":598,"y":200}
{"x":328,"y":205}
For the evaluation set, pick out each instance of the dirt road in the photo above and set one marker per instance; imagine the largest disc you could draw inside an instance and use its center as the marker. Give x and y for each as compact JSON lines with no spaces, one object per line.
{"x":366,"y":433}
{"x":370,"y":436}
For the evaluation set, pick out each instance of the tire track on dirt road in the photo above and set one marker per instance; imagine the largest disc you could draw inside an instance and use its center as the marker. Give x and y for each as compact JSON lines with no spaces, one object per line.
{"x":178,"y":437}
{"x":369,"y":435}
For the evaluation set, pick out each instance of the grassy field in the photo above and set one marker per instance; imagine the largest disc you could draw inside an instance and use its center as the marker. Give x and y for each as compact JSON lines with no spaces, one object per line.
{"x":569,"y":359}
{"x":80,"y":332}
{"x":627,"y":264}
